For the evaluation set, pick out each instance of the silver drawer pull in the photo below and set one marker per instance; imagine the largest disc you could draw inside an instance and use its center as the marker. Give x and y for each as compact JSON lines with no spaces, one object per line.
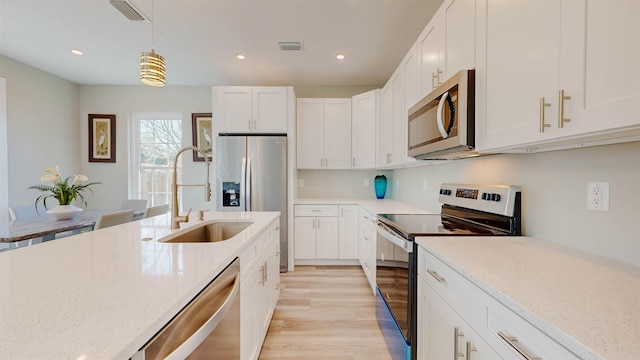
{"x":436,"y":275}
{"x":513,"y":342}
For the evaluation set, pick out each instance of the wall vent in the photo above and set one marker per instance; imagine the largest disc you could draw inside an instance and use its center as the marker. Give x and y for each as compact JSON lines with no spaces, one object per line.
{"x":290,"y":45}
{"x":129,"y":10}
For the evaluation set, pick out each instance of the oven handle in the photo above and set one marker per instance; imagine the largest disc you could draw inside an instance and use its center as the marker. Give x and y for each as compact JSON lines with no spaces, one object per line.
{"x":390,"y":235}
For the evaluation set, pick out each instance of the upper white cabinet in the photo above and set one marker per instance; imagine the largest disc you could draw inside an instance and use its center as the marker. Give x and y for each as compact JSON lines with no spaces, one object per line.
{"x":573,"y":81}
{"x":384,"y":138}
{"x":247,"y":109}
{"x":447,"y":44}
{"x":364,"y":111}
{"x":324,"y":134}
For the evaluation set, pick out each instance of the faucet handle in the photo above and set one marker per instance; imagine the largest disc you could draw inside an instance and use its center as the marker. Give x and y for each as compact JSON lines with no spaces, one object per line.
{"x":186,"y":217}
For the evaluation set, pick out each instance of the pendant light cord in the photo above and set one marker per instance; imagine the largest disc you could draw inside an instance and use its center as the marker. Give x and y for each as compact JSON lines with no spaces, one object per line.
{"x":153,"y":21}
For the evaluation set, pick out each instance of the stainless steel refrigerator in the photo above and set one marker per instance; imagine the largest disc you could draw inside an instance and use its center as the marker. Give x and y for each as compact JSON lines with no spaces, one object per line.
{"x":252,"y":176}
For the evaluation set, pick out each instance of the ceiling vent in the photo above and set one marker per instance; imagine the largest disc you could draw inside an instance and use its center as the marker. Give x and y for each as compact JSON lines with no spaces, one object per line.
{"x":290,"y":45}
{"x":129,"y":10}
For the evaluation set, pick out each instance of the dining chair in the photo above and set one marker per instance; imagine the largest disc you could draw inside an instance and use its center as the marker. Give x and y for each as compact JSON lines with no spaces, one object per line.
{"x":26,"y":212}
{"x":113,"y":218}
{"x":135,"y":204}
{"x":156,"y":210}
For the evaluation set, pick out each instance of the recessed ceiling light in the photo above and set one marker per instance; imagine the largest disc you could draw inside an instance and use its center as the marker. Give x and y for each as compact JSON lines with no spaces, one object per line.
{"x":76,"y":52}
{"x":340,"y":57}
{"x":240,"y":57}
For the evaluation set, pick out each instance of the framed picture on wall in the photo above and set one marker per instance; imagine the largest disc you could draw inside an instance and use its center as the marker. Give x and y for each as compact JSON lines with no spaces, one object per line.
{"x":102,"y":138}
{"x":202,"y":131}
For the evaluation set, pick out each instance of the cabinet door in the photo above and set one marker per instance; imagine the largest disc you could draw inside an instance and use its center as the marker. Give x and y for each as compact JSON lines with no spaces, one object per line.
{"x":410,"y":67}
{"x":337,"y":133}
{"x":400,"y":123}
{"x":232,"y":108}
{"x":310,"y":139}
{"x":363,"y":130}
{"x":270,"y":109}
{"x":522,"y":68}
{"x":348,"y":238}
{"x":305,"y":237}
{"x":437,"y":326}
{"x":327,"y":237}
{"x":460,"y":40}
{"x":599,"y":68}
{"x":429,"y":47}
{"x":265,"y":298}
{"x":249,"y":318}
{"x":385,"y":127}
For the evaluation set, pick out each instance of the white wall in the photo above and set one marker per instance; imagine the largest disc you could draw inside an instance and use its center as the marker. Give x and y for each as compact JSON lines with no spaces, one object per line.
{"x":554,"y":194}
{"x":339,"y":184}
{"x":124,"y":100}
{"x":42,"y":127}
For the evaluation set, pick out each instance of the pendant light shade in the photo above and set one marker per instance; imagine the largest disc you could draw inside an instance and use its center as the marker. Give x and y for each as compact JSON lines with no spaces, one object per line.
{"x":152,"y":69}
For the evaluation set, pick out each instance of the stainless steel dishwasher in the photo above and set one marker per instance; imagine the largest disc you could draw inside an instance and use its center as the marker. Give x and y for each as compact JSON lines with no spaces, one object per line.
{"x":207,"y":328}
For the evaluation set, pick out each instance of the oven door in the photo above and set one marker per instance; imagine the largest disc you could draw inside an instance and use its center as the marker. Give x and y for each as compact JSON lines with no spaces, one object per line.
{"x":395,"y":301}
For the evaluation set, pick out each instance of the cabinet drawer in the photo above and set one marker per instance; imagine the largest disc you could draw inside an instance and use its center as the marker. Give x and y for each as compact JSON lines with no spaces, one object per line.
{"x":509,"y":334}
{"x":316,"y":210}
{"x":448,"y":283}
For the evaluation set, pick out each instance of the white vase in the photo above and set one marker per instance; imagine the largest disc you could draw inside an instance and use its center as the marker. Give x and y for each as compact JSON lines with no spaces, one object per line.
{"x":64,"y":212}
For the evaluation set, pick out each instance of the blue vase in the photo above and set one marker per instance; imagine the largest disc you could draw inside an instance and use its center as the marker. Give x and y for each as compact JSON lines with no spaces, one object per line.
{"x":380,"y":184}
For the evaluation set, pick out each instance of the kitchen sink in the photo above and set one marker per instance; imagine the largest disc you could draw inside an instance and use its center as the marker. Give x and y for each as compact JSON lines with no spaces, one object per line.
{"x":209,"y":232}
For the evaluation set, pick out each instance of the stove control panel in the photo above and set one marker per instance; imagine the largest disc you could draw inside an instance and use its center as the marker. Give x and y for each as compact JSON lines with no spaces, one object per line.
{"x":497,"y":199}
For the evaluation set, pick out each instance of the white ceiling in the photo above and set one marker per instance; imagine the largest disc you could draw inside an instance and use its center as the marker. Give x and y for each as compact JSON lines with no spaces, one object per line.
{"x":200,"y":39}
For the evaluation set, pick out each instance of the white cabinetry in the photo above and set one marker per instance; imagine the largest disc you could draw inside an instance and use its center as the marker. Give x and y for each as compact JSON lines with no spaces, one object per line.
{"x":348,"y":232}
{"x":367,"y":246}
{"x":260,"y":280}
{"x":364,"y":110}
{"x":573,"y":82}
{"x":451,"y":325}
{"x":246,"y":109}
{"x":447,"y":44}
{"x":443,"y":334}
{"x":324,"y":134}
{"x":316,"y":232}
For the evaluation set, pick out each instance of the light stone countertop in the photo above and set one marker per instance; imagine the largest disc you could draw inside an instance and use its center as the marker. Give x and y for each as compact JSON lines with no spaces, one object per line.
{"x":374,"y":206}
{"x":104,"y":294}
{"x":588,"y":304}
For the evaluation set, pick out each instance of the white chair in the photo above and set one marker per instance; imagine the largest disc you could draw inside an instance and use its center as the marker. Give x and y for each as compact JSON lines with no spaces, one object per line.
{"x":113,"y":218}
{"x":135,"y":204}
{"x":25,"y":212}
{"x":156,"y":210}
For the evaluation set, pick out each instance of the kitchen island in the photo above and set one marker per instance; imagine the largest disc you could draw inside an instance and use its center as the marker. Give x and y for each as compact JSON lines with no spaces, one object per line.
{"x":104,"y":294}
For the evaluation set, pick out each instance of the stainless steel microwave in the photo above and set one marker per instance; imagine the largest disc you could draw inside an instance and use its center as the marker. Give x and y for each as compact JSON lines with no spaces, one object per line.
{"x":442,"y":124}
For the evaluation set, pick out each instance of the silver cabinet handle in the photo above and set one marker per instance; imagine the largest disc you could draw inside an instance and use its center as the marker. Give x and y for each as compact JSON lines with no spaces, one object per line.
{"x":438,"y":72}
{"x":513,"y":342}
{"x":470,"y":348}
{"x":543,"y":105}
{"x":561,"y":119}
{"x":262,"y":271}
{"x":436,"y":276}
{"x":353,"y":162}
{"x":456,"y":334}
{"x":433,"y":83}
{"x":249,"y":124}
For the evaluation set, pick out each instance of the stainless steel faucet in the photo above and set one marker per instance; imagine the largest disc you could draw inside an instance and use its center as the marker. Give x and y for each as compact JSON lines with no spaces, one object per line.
{"x":176,"y":219}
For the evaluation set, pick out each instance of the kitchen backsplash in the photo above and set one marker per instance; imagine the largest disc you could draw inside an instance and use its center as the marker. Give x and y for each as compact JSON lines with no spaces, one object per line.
{"x":554,"y":192}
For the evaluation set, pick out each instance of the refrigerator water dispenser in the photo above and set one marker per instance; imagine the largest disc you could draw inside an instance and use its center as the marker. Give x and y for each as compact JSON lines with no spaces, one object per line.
{"x":230,"y":193}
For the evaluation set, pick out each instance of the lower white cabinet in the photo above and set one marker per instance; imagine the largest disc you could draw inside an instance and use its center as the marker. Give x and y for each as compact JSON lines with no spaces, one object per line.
{"x":367,"y":246}
{"x":458,"y":320}
{"x":443,"y":334}
{"x":348,"y":232}
{"x":260,"y":282}
{"x":326,"y":232}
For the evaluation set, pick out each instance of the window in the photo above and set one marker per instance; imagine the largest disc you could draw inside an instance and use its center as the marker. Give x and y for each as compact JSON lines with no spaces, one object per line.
{"x":155,"y":140}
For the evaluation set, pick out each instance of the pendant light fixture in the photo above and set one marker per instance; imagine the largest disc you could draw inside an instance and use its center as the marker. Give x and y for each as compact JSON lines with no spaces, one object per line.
{"x":152,"y":69}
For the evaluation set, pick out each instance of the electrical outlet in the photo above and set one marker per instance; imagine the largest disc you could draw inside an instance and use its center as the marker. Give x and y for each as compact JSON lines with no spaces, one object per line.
{"x":424,"y":184}
{"x":366,"y":182}
{"x":598,"y":196}
{"x":300,"y":182}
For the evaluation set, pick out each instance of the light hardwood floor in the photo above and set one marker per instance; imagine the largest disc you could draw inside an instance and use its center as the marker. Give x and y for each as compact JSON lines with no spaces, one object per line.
{"x":325,"y":312}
